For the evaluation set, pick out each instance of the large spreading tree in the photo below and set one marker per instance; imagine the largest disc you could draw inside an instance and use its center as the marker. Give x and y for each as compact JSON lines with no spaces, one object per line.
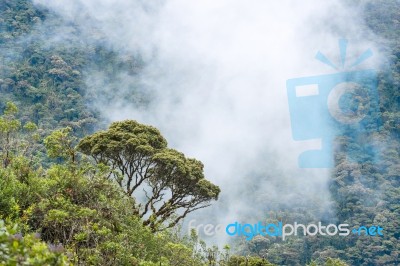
{"x":141,"y":163}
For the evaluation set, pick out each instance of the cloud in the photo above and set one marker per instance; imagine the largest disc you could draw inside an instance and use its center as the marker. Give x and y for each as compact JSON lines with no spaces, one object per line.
{"x":217,"y":71}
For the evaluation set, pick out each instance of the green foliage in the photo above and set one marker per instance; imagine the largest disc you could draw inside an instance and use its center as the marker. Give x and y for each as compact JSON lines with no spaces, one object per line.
{"x":250,"y":261}
{"x":74,"y":205}
{"x":179,"y":254}
{"x":60,"y":144}
{"x":16,"y":140}
{"x":329,"y":262}
{"x":138,"y":156}
{"x":18,"y":249}
{"x":44,"y":80}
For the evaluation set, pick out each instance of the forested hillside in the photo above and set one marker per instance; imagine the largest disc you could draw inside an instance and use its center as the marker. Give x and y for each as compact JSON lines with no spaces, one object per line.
{"x":63,"y":196}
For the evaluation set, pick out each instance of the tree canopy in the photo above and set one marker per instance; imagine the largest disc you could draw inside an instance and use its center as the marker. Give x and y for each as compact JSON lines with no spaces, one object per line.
{"x":140,"y":160}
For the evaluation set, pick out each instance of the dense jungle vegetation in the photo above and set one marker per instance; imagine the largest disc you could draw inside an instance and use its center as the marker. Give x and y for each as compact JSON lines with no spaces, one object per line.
{"x":67,"y":178}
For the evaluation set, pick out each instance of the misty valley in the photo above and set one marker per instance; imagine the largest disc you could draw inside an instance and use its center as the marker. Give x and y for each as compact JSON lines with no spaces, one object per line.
{"x":194,"y":133}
